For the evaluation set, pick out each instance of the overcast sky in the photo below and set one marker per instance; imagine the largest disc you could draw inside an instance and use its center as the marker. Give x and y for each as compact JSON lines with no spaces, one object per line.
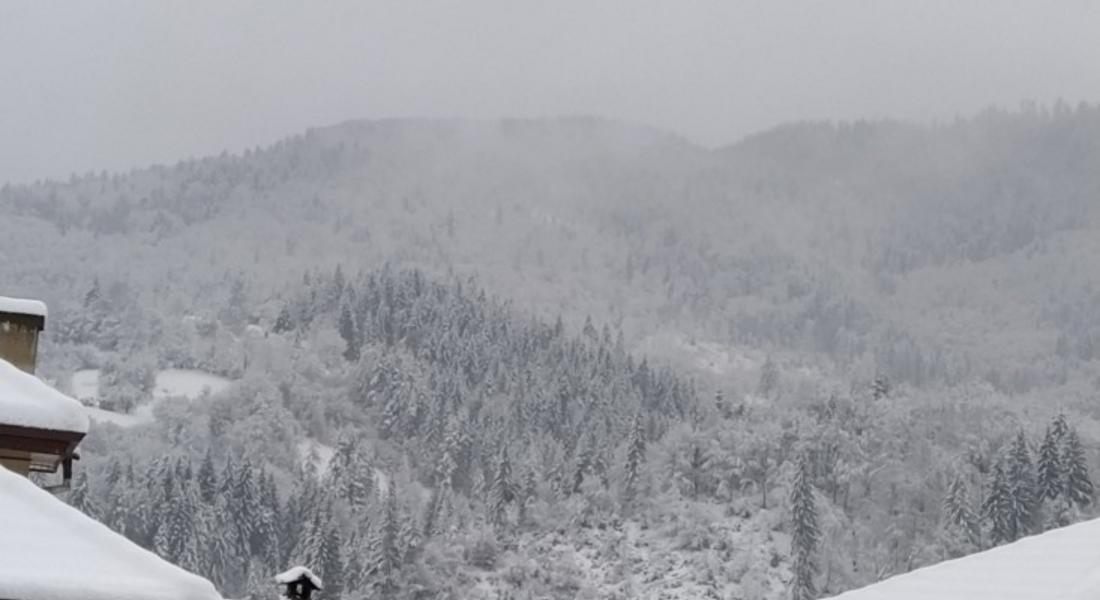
{"x":116,"y":84}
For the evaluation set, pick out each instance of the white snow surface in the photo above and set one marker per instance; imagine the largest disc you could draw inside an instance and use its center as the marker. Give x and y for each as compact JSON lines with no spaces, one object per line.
{"x":52,"y":551}
{"x":1063,"y":564}
{"x":296,"y":573}
{"x":187,"y":383}
{"x":23,"y":306}
{"x":84,"y":385}
{"x":27,"y":401}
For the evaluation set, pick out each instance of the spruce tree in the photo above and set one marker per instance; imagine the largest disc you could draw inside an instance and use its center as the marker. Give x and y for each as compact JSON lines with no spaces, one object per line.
{"x":805,"y":534}
{"x":80,"y":497}
{"x":1078,"y":484}
{"x":331,"y":564}
{"x":998,"y":509}
{"x":635,"y":455}
{"x":208,"y":479}
{"x":1051,"y":478}
{"x":769,"y":378}
{"x":388,"y":560}
{"x":501,"y":492}
{"x":284,"y":322}
{"x":1021,"y":475}
{"x":350,"y":334}
{"x":959,"y":518}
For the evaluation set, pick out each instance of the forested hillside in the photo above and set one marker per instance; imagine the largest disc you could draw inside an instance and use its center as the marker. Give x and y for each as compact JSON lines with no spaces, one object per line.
{"x":581,"y":358}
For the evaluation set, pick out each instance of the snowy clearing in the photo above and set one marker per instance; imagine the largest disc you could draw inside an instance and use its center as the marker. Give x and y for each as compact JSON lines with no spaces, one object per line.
{"x":187,"y":384}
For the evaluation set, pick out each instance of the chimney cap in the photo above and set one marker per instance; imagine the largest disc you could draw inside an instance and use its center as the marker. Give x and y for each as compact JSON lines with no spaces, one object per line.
{"x":22,"y":306}
{"x":299,"y":574}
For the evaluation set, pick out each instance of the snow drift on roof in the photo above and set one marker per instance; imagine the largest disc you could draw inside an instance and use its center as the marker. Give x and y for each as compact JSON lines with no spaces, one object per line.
{"x":27,"y":401}
{"x":52,"y":551}
{"x":1063,"y":564}
{"x":21,"y":306}
{"x":296,"y":573}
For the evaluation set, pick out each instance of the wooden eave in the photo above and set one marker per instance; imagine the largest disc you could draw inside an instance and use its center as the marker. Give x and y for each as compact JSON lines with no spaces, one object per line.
{"x":41,"y":441}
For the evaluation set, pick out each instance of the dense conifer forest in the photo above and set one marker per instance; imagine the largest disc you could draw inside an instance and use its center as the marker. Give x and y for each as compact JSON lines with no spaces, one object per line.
{"x":578,"y":358}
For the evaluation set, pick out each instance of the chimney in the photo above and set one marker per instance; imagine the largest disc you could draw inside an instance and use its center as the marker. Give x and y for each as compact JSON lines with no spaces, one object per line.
{"x":20,"y":322}
{"x":298,"y":583}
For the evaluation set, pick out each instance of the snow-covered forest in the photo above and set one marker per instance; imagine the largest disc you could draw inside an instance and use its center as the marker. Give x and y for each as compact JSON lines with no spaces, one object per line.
{"x":574,"y":358}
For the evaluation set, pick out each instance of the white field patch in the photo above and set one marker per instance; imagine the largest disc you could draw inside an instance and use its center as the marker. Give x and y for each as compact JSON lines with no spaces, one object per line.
{"x":185,"y":384}
{"x":706,"y":356}
{"x":188,"y":384}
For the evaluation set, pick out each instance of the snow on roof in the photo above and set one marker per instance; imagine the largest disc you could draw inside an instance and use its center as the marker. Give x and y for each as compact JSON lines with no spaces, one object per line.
{"x":296,"y":573}
{"x":52,"y":551}
{"x":27,"y":401}
{"x":1063,"y":564}
{"x":21,"y":306}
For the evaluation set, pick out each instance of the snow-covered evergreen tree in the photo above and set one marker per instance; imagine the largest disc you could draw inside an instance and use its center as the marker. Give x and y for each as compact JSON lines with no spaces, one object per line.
{"x":1021,"y":475}
{"x":1051,"y":478}
{"x":998,"y":509}
{"x":805,"y":532}
{"x":1079,"y":487}
{"x":959,"y":518}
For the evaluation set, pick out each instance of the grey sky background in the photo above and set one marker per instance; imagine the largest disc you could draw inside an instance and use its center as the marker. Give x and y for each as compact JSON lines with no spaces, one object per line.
{"x":113,"y":85}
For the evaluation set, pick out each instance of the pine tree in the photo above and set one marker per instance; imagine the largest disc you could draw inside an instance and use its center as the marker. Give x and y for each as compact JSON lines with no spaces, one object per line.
{"x":1021,"y":475}
{"x":805,"y":534}
{"x":1059,"y":427}
{"x":331,"y":564}
{"x":284,"y":322}
{"x":433,"y":513}
{"x":998,"y":509}
{"x":1078,"y":485}
{"x":388,"y":560}
{"x":635,"y":456}
{"x":1051,"y":478}
{"x":208,"y":479}
{"x":350,"y":334}
{"x":501,"y":492}
{"x":958,"y":516}
{"x":80,"y":497}
{"x":769,"y":379}
{"x":527,"y":494}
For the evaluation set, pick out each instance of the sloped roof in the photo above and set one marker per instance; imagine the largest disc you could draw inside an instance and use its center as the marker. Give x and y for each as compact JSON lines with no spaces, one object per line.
{"x":1063,"y":564}
{"x":51,"y":551}
{"x":295,"y":573}
{"x":27,"y":401}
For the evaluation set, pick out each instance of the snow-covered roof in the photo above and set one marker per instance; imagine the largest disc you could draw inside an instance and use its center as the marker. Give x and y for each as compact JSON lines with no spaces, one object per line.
{"x":22,"y":306}
{"x":1063,"y":564}
{"x":52,"y":551}
{"x":27,"y":401}
{"x":294,"y":574}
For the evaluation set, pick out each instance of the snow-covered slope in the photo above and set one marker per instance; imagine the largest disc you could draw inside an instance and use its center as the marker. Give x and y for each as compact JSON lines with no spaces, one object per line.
{"x":51,"y":551}
{"x":1063,"y":564}
{"x":27,"y":401}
